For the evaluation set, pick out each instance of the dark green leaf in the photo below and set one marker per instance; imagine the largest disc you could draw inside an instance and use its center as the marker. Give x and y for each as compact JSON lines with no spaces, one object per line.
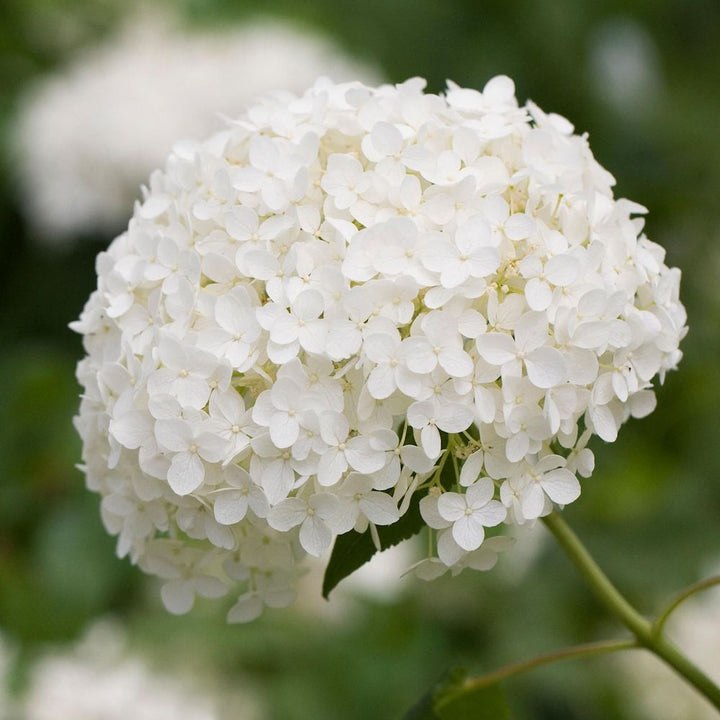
{"x":424,"y":709}
{"x":448,"y":479}
{"x":484,"y":703}
{"x":352,"y":550}
{"x":448,"y":699}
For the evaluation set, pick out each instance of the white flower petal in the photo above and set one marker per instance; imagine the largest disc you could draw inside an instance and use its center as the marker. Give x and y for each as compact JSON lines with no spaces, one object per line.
{"x":538,"y":294}
{"x":561,"y":486}
{"x":420,"y":356}
{"x":456,"y":362}
{"x":531,"y":331}
{"x":492,"y":514}
{"x":331,"y":467}
{"x":517,"y":447}
{"x":380,"y":347}
{"x":519,"y":226}
{"x":324,"y":505}
{"x":381,"y":382}
{"x":562,"y":269}
{"x":471,"y":468}
{"x":604,"y":423}
{"x":362,"y":457}
{"x":429,"y":569}
{"x":287,"y":514}
{"x":414,"y":458}
{"x":210,"y":587}
{"x":315,"y":536}
{"x":174,"y":434}
{"x":451,"y":506}
{"x":178,"y":596}
{"x":230,"y":507}
{"x":249,"y":607}
{"x":186,"y":473}
{"x":468,"y":532}
{"x":453,"y":417}
{"x":431,"y":514}
{"x":545,"y":367}
{"x":430,"y":440}
{"x":449,"y":552}
{"x":496,"y":348}
{"x":642,"y":403}
{"x":480,"y":493}
{"x":277,"y":480}
{"x":284,"y":430}
{"x":379,"y":508}
{"x":386,"y":138}
{"x":131,"y":429}
{"x":533,"y":502}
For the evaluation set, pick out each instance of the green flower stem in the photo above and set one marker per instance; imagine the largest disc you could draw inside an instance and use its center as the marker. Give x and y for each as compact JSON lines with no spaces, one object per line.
{"x":681,"y":598}
{"x":586,"y":650}
{"x":643,"y":630}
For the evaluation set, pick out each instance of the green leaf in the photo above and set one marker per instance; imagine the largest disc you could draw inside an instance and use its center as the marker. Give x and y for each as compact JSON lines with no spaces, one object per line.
{"x":448,"y":479}
{"x":424,"y":708}
{"x":352,"y":549}
{"x":451,"y":699}
{"x":484,"y":703}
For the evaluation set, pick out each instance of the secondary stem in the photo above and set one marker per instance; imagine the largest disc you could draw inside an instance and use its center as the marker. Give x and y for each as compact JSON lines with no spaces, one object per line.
{"x":681,"y":598}
{"x":639,"y":626}
{"x":586,"y":650}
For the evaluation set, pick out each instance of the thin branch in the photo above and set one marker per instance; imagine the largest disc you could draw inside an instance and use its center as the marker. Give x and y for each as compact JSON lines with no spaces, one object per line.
{"x":681,"y":597}
{"x":575,"y":651}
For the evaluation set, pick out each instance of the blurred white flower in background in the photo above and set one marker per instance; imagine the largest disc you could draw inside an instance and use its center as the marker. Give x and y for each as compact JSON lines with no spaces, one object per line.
{"x":6,"y":660}
{"x":653,"y":691}
{"x":99,"y":680}
{"x":86,"y":138}
{"x":624,"y":66}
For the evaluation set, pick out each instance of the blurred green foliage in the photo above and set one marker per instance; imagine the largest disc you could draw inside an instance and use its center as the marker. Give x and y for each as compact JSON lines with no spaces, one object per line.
{"x":649,"y":513}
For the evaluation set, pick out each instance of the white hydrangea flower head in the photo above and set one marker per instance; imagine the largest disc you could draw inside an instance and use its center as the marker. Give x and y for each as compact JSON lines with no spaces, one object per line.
{"x":319,"y":311}
{"x":87,"y":136}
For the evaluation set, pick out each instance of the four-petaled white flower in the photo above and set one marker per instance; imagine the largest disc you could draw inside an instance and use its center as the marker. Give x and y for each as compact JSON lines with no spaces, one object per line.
{"x":471,"y":512}
{"x":440,"y":344}
{"x":315,"y":516}
{"x":544,"y":364}
{"x":390,"y":372}
{"x":190,"y":443}
{"x":429,"y":418}
{"x":232,"y":502}
{"x":358,"y":496}
{"x":529,"y":492}
{"x":472,"y":253}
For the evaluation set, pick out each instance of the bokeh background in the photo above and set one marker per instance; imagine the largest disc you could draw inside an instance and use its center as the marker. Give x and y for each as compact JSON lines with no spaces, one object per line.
{"x":642,"y":77}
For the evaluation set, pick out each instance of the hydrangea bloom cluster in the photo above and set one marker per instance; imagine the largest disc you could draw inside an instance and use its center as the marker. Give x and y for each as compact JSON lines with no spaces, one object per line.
{"x":314,"y":312}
